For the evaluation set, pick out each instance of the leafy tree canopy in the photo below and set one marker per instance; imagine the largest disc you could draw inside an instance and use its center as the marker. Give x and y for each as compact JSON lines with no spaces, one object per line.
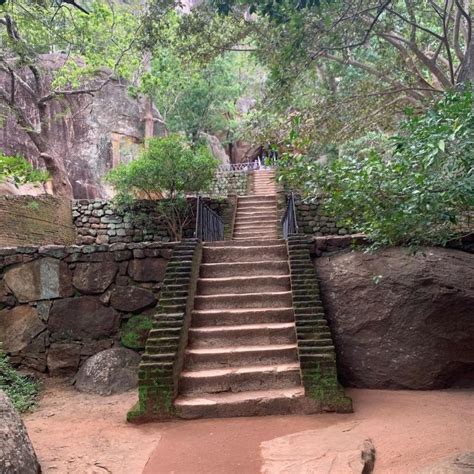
{"x":419,"y":190}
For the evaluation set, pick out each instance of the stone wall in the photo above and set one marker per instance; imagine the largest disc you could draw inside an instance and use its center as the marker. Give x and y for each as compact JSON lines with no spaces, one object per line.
{"x":230,"y":182}
{"x":312,"y":220}
{"x":101,"y":222}
{"x":60,"y":305}
{"x":35,"y":220}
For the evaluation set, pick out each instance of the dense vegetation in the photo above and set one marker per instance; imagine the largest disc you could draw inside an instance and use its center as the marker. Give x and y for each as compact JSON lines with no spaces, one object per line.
{"x":367,"y":100}
{"x":169,"y":168}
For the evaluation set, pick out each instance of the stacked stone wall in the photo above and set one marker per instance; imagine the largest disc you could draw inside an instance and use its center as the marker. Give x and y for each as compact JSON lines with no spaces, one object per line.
{"x":35,"y":220}
{"x":60,"y":305}
{"x":312,"y":220}
{"x":230,"y":182}
{"x":101,"y":222}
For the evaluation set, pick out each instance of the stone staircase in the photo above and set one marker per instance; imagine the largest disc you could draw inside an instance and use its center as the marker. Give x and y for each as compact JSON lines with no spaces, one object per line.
{"x":242,"y":356}
{"x":240,"y":329}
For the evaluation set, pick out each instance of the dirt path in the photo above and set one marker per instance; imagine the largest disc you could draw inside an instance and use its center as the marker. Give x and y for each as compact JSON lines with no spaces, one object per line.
{"x":73,"y":432}
{"x":77,"y":433}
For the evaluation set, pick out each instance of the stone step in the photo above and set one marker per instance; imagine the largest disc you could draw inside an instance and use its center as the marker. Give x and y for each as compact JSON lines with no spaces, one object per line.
{"x":240,"y":379}
{"x":243,"y":254}
{"x":258,"y":227}
{"x":251,"y":212}
{"x":250,"y":220}
{"x":256,"y":233}
{"x":244,"y":284}
{"x":251,"y":403}
{"x":235,"y":356}
{"x":253,"y":199}
{"x":248,"y":334}
{"x":248,"y":243}
{"x":232,"y":317}
{"x":249,"y":300}
{"x":255,"y":268}
{"x":257,"y":205}
{"x":255,"y":224}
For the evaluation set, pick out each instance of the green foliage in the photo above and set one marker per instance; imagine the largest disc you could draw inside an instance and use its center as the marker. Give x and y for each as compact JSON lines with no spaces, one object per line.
{"x":277,"y":11}
{"x":103,"y":40}
{"x":169,"y":168}
{"x":18,"y":171}
{"x":21,"y":389}
{"x":414,"y":193}
{"x":135,"y":331}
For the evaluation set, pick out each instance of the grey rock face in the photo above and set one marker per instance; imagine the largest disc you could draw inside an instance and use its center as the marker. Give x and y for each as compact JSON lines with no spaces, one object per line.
{"x":17,"y":455}
{"x":109,"y":372}
{"x":401,"y":320}
{"x":41,"y":279}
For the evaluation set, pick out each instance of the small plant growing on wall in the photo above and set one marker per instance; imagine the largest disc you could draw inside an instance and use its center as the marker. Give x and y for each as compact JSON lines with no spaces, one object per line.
{"x":168,"y":170}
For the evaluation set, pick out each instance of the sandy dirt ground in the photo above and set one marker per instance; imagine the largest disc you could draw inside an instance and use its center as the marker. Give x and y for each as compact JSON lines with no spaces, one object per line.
{"x":79,"y":433}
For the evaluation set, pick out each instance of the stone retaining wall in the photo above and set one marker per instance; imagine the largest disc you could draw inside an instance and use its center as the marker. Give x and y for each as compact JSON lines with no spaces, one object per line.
{"x":60,"y":305}
{"x":35,"y":220}
{"x":99,"y":221}
{"x":312,"y":220}
{"x":230,"y":182}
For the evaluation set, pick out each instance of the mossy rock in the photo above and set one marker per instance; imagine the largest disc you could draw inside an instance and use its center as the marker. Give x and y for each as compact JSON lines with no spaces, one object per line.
{"x":135,"y":331}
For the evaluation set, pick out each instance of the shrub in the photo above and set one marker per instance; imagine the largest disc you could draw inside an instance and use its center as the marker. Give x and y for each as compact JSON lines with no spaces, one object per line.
{"x":21,"y":389}
{"x":18,"y":171}
{"x":170,"y":168}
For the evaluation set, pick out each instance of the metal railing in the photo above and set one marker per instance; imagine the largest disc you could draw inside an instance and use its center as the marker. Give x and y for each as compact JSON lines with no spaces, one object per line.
{"x":258,"y":164}
{"x":209,"y":225}
{"x":289,"y":222}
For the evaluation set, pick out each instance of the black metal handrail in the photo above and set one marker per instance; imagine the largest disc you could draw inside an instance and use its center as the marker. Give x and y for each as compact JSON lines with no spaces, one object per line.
{"x":289,"y":222}
{"x":209,"y":225}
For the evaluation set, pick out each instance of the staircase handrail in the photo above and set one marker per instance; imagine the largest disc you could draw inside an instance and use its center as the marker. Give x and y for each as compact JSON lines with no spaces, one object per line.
{"x":209,"y":225}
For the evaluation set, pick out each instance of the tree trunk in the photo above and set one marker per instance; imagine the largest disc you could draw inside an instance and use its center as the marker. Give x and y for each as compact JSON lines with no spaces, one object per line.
{"x":467,"y":70}
{"x":149,"y":120}
{"x":59,"y":179}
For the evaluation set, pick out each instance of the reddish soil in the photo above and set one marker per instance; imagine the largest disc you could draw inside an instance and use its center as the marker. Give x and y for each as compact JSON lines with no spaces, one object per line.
{"x":79,"y":433}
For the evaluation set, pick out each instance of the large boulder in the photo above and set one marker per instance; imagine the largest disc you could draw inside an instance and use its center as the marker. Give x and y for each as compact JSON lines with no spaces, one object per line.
{"x":401,"y":320}
{"x":94,"y":277}
{"x":92,"y":133}
{"x":459,"y":464}
{"x":131,"y":298}
{"x":17,"y":455}
{"x":109,"y":372}
{"x":82,"y":318}
{"x":147,"y":269}
{"x":19,"y":326}
{"x":42,"y":279}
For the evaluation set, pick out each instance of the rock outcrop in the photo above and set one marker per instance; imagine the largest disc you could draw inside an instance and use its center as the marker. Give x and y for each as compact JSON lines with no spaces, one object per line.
{"x":109,"y":372}
{"x":459,"y":464}
{"x":17,"y":455}
{"x":401,"y":320}
{"x":91,"y":132}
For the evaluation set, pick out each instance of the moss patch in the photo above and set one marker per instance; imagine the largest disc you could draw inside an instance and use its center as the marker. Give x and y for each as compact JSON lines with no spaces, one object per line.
{"x":135,"y":331}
